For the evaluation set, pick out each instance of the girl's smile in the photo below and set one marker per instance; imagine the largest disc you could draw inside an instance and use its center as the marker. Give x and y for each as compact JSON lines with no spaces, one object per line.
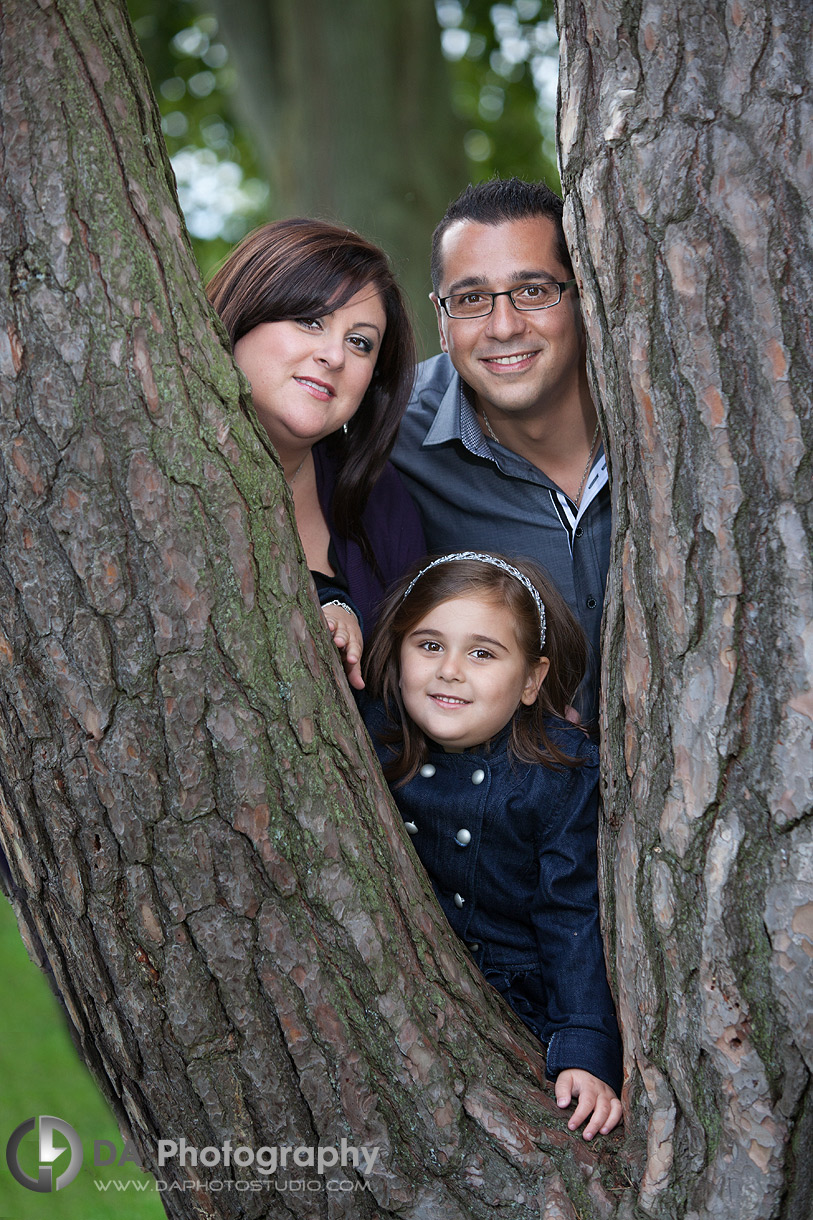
{"x":463,"y":674}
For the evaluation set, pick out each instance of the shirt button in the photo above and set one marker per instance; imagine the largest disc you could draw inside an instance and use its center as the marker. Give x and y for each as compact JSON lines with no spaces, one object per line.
{"x":463,"y":837}
{"x":458,"y":901}
{"x":478,"y":776}
{"x":411,"y":828}
{"x":578,"y":531}
{"x":427,"y":770}
{"x":591,"y":603}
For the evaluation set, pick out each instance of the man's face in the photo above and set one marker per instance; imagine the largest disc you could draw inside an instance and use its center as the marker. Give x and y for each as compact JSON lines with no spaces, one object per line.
{"x":515,"y":361}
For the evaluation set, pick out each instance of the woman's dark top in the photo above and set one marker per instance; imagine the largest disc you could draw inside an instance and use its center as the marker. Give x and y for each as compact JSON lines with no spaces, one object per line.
{"x":393,"y":527}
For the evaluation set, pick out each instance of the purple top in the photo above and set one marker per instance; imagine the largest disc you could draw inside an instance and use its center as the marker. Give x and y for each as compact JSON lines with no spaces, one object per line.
{"x":393,"y":527}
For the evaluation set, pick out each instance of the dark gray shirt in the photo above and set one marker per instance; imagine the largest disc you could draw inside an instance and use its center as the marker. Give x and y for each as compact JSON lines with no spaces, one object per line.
{"x":474,"y":493}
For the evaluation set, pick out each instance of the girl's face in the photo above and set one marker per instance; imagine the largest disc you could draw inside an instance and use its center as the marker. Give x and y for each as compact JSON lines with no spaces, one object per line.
{"x":462,"y":672}
{"x":309,"y":375}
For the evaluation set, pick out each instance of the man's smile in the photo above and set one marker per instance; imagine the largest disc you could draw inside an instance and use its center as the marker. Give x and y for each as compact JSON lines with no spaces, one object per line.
{"x":518,"y":361}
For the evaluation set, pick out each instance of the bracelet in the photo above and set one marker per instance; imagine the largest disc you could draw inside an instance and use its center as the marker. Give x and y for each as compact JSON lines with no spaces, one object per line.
{"x":342,"y":606}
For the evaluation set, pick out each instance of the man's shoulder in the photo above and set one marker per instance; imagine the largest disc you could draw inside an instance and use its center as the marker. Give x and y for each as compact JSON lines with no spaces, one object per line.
{"x":432,"y":379}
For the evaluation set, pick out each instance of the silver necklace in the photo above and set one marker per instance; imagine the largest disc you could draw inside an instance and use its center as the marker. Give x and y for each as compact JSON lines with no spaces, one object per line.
{"x":491,"y":431}
{"x":494,"y":437}
{"x":587,"y":467}
{"x":292,"y":479}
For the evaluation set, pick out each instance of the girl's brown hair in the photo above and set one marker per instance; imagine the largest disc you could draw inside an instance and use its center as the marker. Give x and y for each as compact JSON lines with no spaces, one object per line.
{"x":565,"y":647}
{"x":305,"y":269}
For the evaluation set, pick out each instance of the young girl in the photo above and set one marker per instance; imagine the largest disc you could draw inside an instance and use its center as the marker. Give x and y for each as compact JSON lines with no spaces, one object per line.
{"x":469,"y":674}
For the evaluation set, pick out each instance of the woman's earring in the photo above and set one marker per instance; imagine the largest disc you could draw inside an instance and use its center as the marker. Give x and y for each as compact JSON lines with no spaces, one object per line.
{"x":344,"y":429}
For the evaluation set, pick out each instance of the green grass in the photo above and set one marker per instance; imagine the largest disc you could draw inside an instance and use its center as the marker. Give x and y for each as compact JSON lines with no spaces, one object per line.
{"x":40,"y":1073}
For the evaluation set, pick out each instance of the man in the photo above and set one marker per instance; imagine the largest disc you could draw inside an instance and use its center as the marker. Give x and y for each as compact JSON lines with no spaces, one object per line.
{"x":500,"y":445}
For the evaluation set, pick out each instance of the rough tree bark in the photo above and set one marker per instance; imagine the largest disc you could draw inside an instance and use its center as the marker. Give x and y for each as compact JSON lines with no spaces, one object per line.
{"x":685,"y":141}
{"x":349,"y":106}
{"x":198,"y":836}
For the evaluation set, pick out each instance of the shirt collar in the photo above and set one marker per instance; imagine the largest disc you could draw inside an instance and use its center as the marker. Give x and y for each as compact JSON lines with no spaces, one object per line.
{"x":493,"y":751}
{"x":599,"y":477}
{"x":456,"y":420}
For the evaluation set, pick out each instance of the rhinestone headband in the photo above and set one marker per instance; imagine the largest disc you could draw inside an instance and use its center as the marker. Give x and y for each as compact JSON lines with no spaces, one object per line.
{"x":494,"y":562}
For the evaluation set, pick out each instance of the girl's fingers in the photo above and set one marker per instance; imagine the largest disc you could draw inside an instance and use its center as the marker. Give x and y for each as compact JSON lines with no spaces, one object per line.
{"x":614,"y":1118}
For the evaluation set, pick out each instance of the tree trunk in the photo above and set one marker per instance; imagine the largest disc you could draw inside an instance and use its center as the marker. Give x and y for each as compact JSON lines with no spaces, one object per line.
{"x":349,"y":106}
{"x":197,"y":832}
{"x":685,"y":142}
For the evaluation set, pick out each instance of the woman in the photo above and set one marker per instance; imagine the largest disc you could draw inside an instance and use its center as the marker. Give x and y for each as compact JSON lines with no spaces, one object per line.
{"x":318,"y":326}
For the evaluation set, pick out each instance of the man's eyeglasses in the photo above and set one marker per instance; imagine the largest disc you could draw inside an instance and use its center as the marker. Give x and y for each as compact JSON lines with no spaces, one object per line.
{"x":476,"y":304}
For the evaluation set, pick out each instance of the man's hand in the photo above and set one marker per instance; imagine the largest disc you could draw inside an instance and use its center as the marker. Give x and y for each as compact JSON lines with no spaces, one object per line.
{"x":595,"y":1098}
{"x":346,"y":632}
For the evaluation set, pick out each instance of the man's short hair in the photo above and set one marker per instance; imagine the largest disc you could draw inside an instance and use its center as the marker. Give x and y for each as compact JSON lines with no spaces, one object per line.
{"x":494,"y":203}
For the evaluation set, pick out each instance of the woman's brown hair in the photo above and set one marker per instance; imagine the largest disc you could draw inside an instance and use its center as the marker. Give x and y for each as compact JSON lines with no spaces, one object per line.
{"x":565,"y":647}
{"x":305,"y":269}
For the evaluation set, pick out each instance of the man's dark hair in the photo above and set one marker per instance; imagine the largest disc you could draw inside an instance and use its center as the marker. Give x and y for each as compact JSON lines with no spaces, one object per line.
{"x":498,"y":201}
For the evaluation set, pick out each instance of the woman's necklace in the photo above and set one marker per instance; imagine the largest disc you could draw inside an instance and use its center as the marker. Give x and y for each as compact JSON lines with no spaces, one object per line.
{"x":292,"y":479}
{"x":494,"y":437}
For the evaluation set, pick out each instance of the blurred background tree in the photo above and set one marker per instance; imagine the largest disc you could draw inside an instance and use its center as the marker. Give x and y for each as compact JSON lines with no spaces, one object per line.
{"x":374,"y":115}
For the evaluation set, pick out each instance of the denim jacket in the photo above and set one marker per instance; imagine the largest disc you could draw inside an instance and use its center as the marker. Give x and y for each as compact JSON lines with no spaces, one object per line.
{"x":510,"y":848}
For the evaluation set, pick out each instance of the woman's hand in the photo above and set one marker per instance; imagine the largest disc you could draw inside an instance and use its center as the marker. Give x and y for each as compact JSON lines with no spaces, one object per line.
{"x":595,"y":1098}
{"x":344,"y":627}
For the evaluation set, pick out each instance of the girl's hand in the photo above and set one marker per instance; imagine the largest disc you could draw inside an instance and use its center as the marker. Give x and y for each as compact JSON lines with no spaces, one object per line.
{"x":595,"y":1098}
{"x":344,"y":627}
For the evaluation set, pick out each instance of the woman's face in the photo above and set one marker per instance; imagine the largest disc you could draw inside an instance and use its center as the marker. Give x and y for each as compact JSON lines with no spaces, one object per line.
{"x":309,"y":375}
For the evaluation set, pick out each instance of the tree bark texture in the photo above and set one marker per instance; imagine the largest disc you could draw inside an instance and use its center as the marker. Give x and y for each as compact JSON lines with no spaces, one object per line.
{"x":199,"y":840}
{"x":349,"y":106}
{"x":686,"y":157}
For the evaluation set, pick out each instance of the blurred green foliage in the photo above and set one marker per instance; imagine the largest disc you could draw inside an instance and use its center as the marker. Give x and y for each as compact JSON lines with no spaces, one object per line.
{"x":222,"y":190}
{"x":504,"y":64}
